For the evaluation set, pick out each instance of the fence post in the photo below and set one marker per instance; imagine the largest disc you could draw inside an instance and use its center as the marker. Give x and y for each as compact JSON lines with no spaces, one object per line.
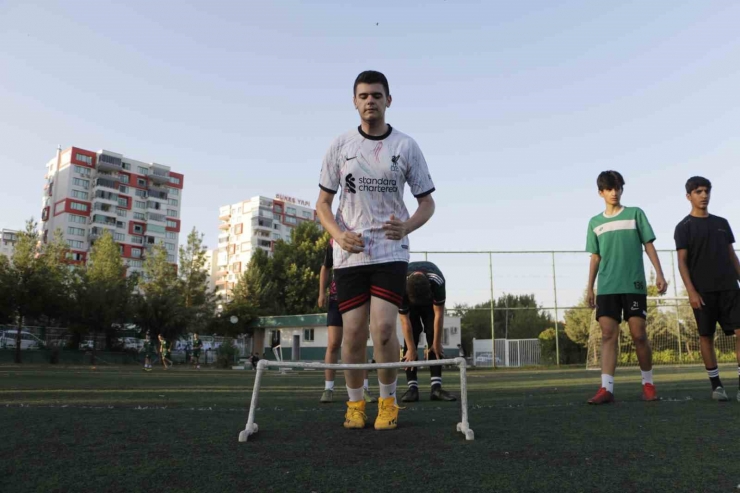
{"x":675,"y":302}
{"x":555,"y":290}
{"x":493,"y":335}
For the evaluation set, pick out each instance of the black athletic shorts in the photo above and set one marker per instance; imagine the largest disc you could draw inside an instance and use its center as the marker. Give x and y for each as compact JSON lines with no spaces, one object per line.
{"x":355,"y":285}
{"x":196,"y":353}
{"x":720,"y":307}
{"x":333,"y":317}
{"x":615,"y":305}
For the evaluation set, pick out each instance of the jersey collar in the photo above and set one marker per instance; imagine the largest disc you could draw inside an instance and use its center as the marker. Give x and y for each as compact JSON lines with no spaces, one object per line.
{"x":375,"y":137}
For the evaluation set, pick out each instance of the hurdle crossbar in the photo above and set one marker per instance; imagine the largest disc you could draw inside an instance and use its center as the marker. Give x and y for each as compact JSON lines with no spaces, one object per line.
{"x":462,"y":427}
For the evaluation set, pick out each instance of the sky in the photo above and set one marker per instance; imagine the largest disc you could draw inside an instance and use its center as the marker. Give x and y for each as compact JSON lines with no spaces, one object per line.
{"x":517,"y":107}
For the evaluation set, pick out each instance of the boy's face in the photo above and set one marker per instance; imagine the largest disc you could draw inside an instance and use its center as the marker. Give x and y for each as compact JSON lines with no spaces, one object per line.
{"x":699,"y":198}
{"x":612,"y":196}
{"x":371,"y":101}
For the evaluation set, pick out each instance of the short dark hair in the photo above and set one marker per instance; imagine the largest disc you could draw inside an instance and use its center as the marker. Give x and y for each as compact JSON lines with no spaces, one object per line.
{"x":610,"y":180}
{"x":372,"y":77}
{"x":419,"y":289}
{"x":697,"y":181}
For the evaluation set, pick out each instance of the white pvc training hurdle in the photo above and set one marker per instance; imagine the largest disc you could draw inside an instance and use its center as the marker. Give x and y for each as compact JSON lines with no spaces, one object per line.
{"x":462,"y":427}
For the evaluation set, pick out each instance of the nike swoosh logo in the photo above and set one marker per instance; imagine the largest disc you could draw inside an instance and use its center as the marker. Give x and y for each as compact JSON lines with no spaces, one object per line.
{"x":350,"y":158}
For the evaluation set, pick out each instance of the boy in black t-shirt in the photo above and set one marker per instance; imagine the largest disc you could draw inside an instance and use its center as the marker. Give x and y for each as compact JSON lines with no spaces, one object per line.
{"x":710,"y":271}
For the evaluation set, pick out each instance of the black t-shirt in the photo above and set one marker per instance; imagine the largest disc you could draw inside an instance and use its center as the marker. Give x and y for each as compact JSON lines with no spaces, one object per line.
{"x":436,"y":279}
{"x":708,"y":241}
{"x":329,"y":264}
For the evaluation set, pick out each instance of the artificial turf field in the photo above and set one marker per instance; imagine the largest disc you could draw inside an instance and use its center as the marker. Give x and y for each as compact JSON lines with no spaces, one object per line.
{"x":120,"y":429}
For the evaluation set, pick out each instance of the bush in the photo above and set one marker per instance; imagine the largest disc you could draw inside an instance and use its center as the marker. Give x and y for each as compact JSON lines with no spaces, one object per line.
{"x":570,"y":352}
{"x":226,"y":354}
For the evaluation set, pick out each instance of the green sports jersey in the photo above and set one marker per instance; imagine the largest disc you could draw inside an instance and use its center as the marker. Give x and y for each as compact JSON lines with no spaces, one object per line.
{"x":164,"y":347}
{"x":619,"y":241}
{"x":197,"y":344}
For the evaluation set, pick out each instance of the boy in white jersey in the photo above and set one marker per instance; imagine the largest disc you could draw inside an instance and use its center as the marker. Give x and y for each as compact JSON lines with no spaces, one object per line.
{"x":371,"y":250}
{"x":615,"y":240}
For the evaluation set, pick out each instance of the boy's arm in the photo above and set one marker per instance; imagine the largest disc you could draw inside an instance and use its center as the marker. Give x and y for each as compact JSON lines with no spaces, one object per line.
{"x":439,"y":323}
{"x":593,"y":269}
{"x":396,"y":230}
{"x":735,"y":261}
{"x":323,"y":278}
{"x":349,"y":241}
{"x":683,"y":268}
{"x":652,"y":254}
{"x":408,"y":336}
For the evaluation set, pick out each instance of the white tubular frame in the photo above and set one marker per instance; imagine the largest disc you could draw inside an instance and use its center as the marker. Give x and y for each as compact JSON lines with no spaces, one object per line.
{"x":462,"y":427}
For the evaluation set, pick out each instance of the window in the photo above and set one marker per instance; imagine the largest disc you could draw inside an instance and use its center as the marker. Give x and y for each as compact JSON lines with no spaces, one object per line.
{"x":136,"y":252}
{"x":75,"y":257}
{"x":141,"y":182}
{"x":263,"y":243}
{"x":83,"y":171}
{"x":246,"y":247}
{"x":121,"y":212}
{"x":154,"y":205}
{"x":153,"y":228}
{"x":171,"y":235}
{"x":170,"y":247}
{"x":123,"y":201}
{"x":75,"y":231}
{"x":123,"y":179}
{"x":139,"y":240}
{"x":79,"y":207}
{"x":79,"y":195}
{"x":110,"y":159}
{"x":307,"y":214}
{"x":126,"y":166}
{"x":171,"y":259}
{"x":173,"y":191}
{"x":139,"y":204}
{"x":83,"y":158}
{"x":173,"y":202}
{"x":239,"y":229}
{"x":276,"y":226}
{"x":290,"y":211}
{"x":81,"y":183}
{"x":172,"y":212}
{"x":140,"y":216}
{"x":290,"y":220}
{"x":143,"y":170}
{"x":278,"y":209}
{"x":119,"y":236}
{"x":74,"y":244}
{"x":308,"y":335}
{"x":171,"y":224}
{"x":140,"y":193}
{"x":446,"y":336}
{"x":123,"y":188}
{"x":138,"y":229}
{"x":135,"y":264}
{"x":120,"y":224}
{"x":77,"y":219}
{"x":174,"y":180}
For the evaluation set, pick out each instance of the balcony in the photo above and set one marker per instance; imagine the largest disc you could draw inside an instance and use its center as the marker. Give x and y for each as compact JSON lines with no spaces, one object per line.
{"x":98,"y":219}
{"x":262,"y":223}
{"x":224,"y":213}
{"x":101,"y":208}
{"x":153,"y":194}
{"x":109,"y":163}
{"x":96,"y":232}
{"x":152,"y":217}
{"x":159,"y":174}
{"x":224,"y":226}
{"x":106,"y":183}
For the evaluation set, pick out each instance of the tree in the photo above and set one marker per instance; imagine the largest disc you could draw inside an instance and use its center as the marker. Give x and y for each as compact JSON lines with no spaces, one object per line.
{"x":160,"y":308}
{"x":578,"y":321}
{"x":258,"y":286}
{"x":199,"y":302}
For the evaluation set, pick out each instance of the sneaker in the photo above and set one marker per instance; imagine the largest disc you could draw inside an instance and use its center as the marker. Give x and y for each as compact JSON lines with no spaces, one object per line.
{"x":387,"y":414}
{"x":439,"y":394}
{"x":720,"y":395}
{"x":327,"y":396}
{"x":603,"y":396}
{"x":369,"y":398}
{"x":355,"y":416}
{"x":411,"y":395}
{"x":649,"y":393}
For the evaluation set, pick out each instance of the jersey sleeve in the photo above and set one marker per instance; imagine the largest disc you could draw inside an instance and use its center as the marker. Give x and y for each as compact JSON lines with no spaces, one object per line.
{"x":730,"y":236}
{"x":417,"y":173}
{"x":439,"y":291}
{"x":330,"y":170}
{"x":681,"y":236}
{"x":643,"y":228}
{"x":592,"y":241}
{"x":329,"y":256}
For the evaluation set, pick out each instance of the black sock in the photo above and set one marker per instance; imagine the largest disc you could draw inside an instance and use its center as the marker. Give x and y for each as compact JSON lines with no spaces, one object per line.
{"x":714,"y":377}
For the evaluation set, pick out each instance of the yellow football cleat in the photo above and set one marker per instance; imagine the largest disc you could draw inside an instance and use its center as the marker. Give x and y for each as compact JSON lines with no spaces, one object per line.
{"x":387,"y":414}
{"x":355,"y":416}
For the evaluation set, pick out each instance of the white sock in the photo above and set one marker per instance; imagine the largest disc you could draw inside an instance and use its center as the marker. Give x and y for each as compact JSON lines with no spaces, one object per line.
{"x":366,"y":385}
{"x":388,"y":390}
{"x":355,"y":394}
{"x":329,"y":385}
{"x":607,"y":381}
{"x":647,"y":376}
{"x":436,"y":381}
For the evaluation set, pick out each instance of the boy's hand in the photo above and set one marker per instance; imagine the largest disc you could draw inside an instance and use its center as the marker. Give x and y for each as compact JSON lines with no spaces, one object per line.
{"x":351,"y":242}
{"x":661,"y":284}
{"x":395,"y":229}
{"x":591,"y":299}
{"x":695,"y":300}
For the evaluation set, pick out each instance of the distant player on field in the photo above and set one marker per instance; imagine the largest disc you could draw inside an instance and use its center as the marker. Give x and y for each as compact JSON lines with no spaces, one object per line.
{"x":148,"y":353}
{"x":423,"y":310}
{"x":334,"y":327}
{"x":197,"y":347}
{"x":615,"y":239}
{"x":164,"y":352}
{"x":710,"y":271}
{"x":372,"y":164}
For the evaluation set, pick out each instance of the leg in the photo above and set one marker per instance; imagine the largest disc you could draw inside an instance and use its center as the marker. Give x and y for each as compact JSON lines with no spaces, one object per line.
{"x":638,"y":331}
{"x":332,"y":350}
{"x":354,"y":347}
{"x":383,"y":316}
{"x":416,"y":327}
{"x":609,"y":343}
{"x":708,"y":355}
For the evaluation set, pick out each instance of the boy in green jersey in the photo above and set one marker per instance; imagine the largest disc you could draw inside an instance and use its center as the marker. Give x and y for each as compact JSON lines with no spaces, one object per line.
{"x":615,"y":240}
{"x":148,"y":353}
{"x":165,"y":352}
{"x":197,"y":346}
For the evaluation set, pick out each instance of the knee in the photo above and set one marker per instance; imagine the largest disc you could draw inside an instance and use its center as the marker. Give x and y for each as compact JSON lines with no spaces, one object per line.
{"x":384,"y":332}
{"x":333,"y":347}
{"x":354,"y":344}
{"x":640,"y":339}
{"x":609,"y":335}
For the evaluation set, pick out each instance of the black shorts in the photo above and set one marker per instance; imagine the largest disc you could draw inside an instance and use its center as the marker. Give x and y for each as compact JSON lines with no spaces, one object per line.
{"x":196,"y":353}
{"x":615,"y":305}
{"x":333,"y":317}
{"x":355,"y":285}
{"x":720,"y":307}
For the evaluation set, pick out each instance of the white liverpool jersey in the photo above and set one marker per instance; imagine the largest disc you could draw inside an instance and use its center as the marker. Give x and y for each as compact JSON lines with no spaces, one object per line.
{"x":372,"y":172}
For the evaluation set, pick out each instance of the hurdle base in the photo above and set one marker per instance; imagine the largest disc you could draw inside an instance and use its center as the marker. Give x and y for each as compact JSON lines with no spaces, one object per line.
{"x":244,"y":434}
{"x":465,"y":430}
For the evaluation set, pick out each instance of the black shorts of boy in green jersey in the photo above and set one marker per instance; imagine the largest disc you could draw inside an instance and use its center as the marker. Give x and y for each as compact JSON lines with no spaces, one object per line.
{"x":148,"y":349}
{"x":164,"y":352}
{"x":710,"y":271}
{"x":423,"y":310}
{"x":615,"y":240}
{"x":197,"y":347}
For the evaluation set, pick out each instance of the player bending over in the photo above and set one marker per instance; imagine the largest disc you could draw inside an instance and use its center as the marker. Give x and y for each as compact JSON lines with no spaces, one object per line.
{"x":615,"y":239}
{"x":423,"y":310}
{"x":372,"y":164}
{"x":710,"y":271}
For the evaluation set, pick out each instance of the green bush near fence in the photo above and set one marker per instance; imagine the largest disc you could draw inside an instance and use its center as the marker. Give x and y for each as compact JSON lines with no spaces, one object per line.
{"x":570,"y":352}
{"x":226,"y":354}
